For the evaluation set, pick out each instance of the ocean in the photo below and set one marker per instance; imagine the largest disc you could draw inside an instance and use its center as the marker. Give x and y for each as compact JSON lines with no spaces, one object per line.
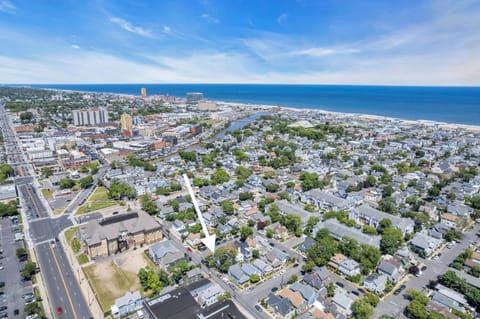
{"x":460,"y":105}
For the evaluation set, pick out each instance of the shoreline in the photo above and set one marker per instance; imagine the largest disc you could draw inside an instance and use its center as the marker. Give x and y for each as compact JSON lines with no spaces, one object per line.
{"x":366,"y":116}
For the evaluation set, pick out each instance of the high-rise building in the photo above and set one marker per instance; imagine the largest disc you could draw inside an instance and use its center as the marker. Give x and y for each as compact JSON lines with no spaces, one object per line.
{"x":143,"y":91}
{"x":194,"y":97}
{"x":90,"y":117}
{"x":126,"y":124}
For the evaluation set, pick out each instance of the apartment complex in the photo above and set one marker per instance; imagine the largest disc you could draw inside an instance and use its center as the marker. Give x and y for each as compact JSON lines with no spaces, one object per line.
{"x":90,"y":117}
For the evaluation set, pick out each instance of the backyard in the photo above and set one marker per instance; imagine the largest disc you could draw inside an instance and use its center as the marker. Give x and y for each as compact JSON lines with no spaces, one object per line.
{"x":111,"y":279}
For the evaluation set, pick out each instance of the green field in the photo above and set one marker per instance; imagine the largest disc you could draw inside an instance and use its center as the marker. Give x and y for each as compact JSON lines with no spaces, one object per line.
{"x":98,"y":200}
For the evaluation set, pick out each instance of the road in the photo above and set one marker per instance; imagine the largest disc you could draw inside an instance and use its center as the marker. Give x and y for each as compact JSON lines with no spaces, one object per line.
{"x":394,"y":304}
{"x":62,"y":288}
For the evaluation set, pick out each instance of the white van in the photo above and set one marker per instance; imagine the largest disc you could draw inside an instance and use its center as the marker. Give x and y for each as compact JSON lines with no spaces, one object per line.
{"x":140,"y":314}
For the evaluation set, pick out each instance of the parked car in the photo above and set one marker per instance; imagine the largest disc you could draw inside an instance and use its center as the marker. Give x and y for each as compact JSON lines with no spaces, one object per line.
{"x":258,"y":308}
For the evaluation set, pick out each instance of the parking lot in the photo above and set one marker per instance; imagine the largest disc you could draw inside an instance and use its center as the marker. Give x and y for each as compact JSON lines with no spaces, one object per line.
{"x":14,"y":288}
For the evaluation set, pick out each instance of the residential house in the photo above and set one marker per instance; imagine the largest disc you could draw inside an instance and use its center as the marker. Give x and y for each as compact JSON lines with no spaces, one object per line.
{"x":276,"y":257}
{"x":318,"y":278}
{"x":349,"y":267}
{"x":191,"y":276}
{"x":326,"y":201}
{"x":262,"y":266}
{"x":250,"y":270}
{"x":210,"y":295}
{"x":366,"y":215}
{"x":459,"y":210}
{"x":237,"y":274}
{"x":338,"y":231}
{"x":281,"y":306}
{"x":288,"y":208}
{"x":424,"y":243}
{"x":306,"y":245}
{"x":128,"y":303}
{"x":449,"y":220}
{"x":193,"y":240}
{"x":165,"y":254}
{"x":279,"y":231}
{"x":295,"y":298}
{"x":336,"y":260}
{"x":307,"y":292}
{"x":391,"y":268}
{"x":343,"y":300}
{"x":375,"y":282}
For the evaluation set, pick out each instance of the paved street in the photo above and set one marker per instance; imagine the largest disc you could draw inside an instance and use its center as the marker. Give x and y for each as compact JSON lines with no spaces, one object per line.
{"x":62,"y":286}
{"x":395,"y":304}
{"x":48,"y":228}
{"x":14,"y":286}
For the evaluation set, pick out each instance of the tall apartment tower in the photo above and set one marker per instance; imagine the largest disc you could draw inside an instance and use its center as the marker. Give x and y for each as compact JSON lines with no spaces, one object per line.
{"x":143,"y":91}
{"x":126,"y":124}
{"x":90,"y":117}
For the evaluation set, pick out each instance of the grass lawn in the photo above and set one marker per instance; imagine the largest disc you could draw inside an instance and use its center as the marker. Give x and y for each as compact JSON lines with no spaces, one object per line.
{"x":110,"y":282}
{"x":83,"y":259}
{"x":70,"y":233}
{"x":47,"y":193}
{"x":98,"y":200}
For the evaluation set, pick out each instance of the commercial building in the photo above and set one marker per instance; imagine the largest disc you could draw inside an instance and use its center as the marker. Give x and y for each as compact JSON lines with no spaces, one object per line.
{"x":194,"y":97}
{"x":126,"y":124}
{"x":90,"y":117}
{"x":112,"y":234}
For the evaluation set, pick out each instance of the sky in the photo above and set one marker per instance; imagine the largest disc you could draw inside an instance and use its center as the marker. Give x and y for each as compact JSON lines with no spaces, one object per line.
{"x":408,"y":42}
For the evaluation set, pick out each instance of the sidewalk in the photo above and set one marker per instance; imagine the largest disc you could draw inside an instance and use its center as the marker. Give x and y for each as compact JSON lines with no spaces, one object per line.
{"x":82,"y":280}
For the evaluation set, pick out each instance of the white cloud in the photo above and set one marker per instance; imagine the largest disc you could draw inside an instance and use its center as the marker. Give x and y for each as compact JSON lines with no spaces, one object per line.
{"x":75,"y":46}
{"x":166,"y":29}
{"x":128,"y":26}
{"x":7,"y":7}
{"x":210,"y":19}
{"x":319,"y":52}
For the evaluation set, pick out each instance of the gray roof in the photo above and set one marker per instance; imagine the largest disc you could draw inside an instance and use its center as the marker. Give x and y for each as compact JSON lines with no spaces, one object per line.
{"x":328,"y":198}
{"x":111,"y":227}
{"x":7,"y":191}
{"x":445,"y":301}
{"x":288,"y":208}
{"x":250,"y":270}
{"x":342,"y":299}
{"x":128,"y":298}
{"x":305,"y":291}
{"x":398,"y":222}
{"x":281,"y":305}
{"x":474,"y":281}
{"x":165,"y":252}
{"x":339,"y":231}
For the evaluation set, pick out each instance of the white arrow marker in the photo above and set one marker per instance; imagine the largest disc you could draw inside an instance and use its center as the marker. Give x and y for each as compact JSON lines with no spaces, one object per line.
{"x":209,"y":240}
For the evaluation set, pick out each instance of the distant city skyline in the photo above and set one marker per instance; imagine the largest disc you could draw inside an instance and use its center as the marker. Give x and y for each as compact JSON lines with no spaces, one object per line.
{"x":207,"y":41}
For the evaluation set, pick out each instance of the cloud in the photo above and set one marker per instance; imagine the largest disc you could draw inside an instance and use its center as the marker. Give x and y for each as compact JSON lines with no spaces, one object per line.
{"x":209,"y":19}
{"x":320,"y":52}
{"x":281,"y":19}
{"x":75,"y":46}
{"x":166,"y":29}
{"x":7,"y":7}
{"x":128,"y":26}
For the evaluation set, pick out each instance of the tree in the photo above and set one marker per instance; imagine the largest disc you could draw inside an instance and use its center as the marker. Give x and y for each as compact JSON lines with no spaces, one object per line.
{"x":9,"y":209}
{"x":47,"y":172}
{"x":242,"y":172}
{"x":86,"y":181}
{"x":227,"y":207}
{"x":323,"y":249}
{"x":392,"y":240}
{"x":369,"y":258}
{"x":120,"y":189}
{"x":312,"y":221}
{"x":292,"y":279}
{"x":20,"y":252}
{"x":254,"y":278}
{"x":148,"y":204}
{"x":255,"y":253}
{"x":367,"y":229}
{"x":388,"y":205}
{"x":243,"y":196}
{"x":220,"y":176}
{"x":66,"y":183}
{"x":188,"y":156}
{"x":362,"y":309}
{"x":245,"y":232}
{"x":417,"y":310}
{"x":308,"y":266}
{"x":269,"y":233}
{"x":330,"y":290}
{"x":384,"y":224}
{"x":29,"y":270}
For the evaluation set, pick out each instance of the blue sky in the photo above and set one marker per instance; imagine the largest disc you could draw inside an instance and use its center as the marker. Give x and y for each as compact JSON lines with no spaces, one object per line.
{"x":407,"y":42}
